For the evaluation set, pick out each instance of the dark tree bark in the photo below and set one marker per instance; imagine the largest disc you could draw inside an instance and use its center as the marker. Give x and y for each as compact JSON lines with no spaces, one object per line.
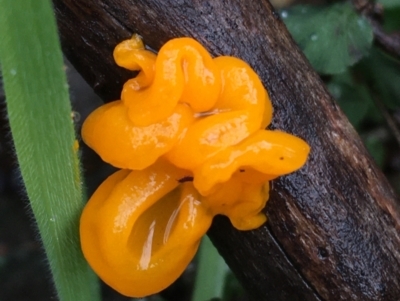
{"x":333,"y":227}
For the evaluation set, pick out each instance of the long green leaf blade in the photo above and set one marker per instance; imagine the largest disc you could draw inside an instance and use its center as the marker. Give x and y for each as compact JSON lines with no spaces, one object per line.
{"x":211,"y":273}
{"x":40,"y":119}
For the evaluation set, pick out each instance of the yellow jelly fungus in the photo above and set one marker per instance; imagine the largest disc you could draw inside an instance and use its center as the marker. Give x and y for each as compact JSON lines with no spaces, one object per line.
{"x":239,"y":112}
{"x":273,"y":153}
{"x":189,"y":136}
{"x":137,"y":224}
{"x":122,"y":143}
{"x":185,"y":73}
{"x":131,"y":54}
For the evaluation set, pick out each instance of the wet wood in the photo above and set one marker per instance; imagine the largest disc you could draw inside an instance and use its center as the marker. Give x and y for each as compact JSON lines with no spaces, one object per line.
{"x":333,"y":227}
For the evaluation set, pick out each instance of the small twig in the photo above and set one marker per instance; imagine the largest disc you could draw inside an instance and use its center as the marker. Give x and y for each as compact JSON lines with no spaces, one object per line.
{"x":390,"y":42}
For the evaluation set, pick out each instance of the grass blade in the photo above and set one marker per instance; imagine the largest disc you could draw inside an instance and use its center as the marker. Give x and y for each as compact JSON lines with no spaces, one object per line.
{"x":211,"y":273}
{"x":40,"y":119}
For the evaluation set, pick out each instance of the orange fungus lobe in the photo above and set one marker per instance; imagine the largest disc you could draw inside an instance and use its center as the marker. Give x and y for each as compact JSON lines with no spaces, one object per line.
{"x":189,"y":137}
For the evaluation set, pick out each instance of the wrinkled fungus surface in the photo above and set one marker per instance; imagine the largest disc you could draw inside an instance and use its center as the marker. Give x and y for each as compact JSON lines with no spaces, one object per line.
{"x":189,"y":137}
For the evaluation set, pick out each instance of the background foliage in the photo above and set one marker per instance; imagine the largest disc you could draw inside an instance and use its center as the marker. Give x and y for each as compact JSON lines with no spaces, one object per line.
{"x":363,"y":78}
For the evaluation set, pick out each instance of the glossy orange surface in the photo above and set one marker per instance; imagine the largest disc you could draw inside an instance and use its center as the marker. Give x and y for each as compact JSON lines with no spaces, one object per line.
{"x":189,"y":134}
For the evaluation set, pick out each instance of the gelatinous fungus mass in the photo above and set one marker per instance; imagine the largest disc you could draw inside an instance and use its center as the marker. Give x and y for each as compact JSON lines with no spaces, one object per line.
{"x":189,"y":138}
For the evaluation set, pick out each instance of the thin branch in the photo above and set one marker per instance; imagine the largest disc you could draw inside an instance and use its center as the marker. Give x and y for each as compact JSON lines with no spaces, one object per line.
{"x":390,"y":42}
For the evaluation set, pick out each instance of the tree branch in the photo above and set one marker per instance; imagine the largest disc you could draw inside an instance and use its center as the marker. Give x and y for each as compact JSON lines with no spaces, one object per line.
{"x":390,"y":42}
{"x":333,"y":227}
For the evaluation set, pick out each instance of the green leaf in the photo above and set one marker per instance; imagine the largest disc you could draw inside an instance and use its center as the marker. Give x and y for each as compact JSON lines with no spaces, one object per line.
{"x":376,"y":148}
{"x":40,"y":120}
{"x":332,"y":37}
{"x":354,"y":99}
{"x":391,"y":19}
{"x":232,"y":289}
{"x":382,"y":73}
{"x":211,"y":273}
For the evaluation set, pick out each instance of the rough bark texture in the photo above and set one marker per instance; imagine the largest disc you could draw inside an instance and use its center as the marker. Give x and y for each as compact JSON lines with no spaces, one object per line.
{"x":333,"y":227}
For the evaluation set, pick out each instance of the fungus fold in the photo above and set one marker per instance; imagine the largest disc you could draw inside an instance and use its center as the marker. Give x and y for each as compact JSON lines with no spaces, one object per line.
{"x":189,"y":135}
